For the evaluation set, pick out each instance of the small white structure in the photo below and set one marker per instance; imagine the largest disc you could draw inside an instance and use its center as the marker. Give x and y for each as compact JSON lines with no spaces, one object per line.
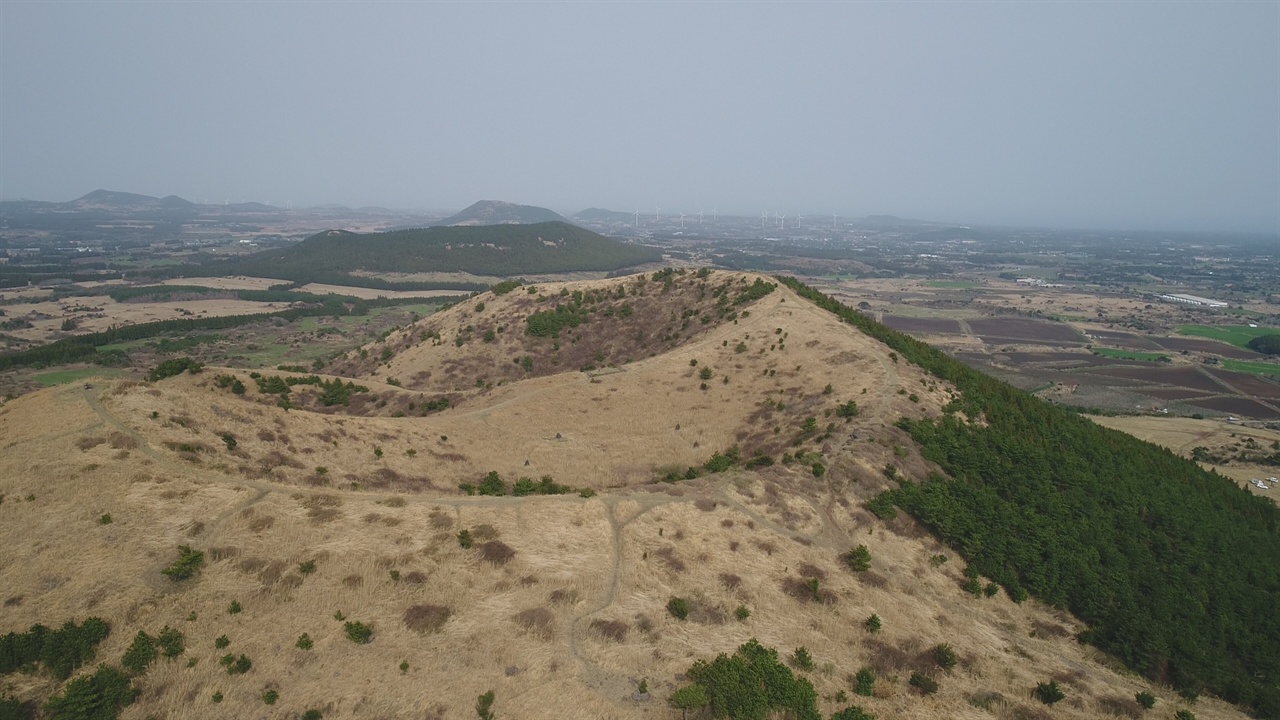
{"x":1193,"y":300}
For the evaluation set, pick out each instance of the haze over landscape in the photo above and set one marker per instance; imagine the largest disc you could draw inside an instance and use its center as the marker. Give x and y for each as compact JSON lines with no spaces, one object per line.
{"x":1127,"y":116}
{"x":639,"y":361}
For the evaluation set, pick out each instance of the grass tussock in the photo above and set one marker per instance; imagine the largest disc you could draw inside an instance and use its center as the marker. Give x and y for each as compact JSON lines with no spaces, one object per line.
{"x":611,"y":630}
{"x":497,"y":552}
{"x":537,"y":621}
{"x":426,"y":618}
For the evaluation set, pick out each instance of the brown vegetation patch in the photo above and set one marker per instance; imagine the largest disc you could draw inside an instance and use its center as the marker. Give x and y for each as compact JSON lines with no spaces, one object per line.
{"x":222,"y":552}
{"x":730,"y":581}
{"x":353,"y":581}
{"x":497,"y":552}
{"x":275,"y":458}
{"x":88,"y":443}
{"x":803,"y":590}
{"x":122,"y":441}
{"x":887,"y":659}
{"x":322,"y":508}
{"x":440,"y":520}
{"x":261,"y":523}
{"x":808,"y":570}
{"x":1046,"y":629}
{"x":414,"y":577}
{"x":14,"y":601}
{"x":483,"y":532}
{"x":251,"y":565}
{"x":266,"y":435}
{"x":611,"y":630}
{"x":536,"y":621}
{"x":270,"y":575}
{"x":705,"y":504}
{"x":668,"y":556}
{"x":426,"y":618}
{"x":395,"y":502}
{"x":564,"y":597}
{"x":1120,"y":706}
{"x":873,"y":578}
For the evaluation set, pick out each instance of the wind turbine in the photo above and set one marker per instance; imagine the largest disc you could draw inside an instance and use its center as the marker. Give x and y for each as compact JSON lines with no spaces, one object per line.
{"x":782,"y":222}
{"x":833,"y":221}
{"x":763,"y":215}
{"x":637,"y":218}
{"x":699,"y":217}
{"x":713,"y":214}
{"x":655,"y":213}
{"x":681,"y":221}
{"x":799,"y":218}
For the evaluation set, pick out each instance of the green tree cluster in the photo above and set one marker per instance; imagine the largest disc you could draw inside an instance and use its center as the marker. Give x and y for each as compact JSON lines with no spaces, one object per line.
{"x":751,"y":684}
{"x":60,"y":651}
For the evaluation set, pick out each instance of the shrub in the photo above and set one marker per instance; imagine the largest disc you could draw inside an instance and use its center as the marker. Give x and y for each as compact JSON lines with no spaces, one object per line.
{"x":925,"y":684}
{"x":100,"y":695}
{"x":269,"y":697}
{"x":944,"y":656}
{"x":465,"y":540}
{"x":847,"y":410}
{"x":236,"y":665}
{"x":186,"y":565}
{"x":678,"y":607}
{"x":308,"y":567}
{"x":802,"y":659}
{"x":234,"y":608}
{"x":105,"y":519}
{"x":174,"y":366}
{"x":858,"y":559}
{"x":304,"y":642}
{"x":497,"y":552}
{"x":484,"y":706}
{"x":872,"y":624}
{"x":705,"y":373}
{"x":492,"y":485}
{"x":819,"y":469}
{"x":217,"y":697}
{"x":221,"y":642}
{"x":312,"y":714}
{"x":864,"y":682}
{"x":742,"y":613}
{"x":882,"y":506}
{"x":1184,"y":715}
{"x":141,"y":653}
{"x":752,"y":683}
{"x":1145,"y":699}
{"x":171,"y":641}
{"x":358,"y":632}
{"x":1048,"y":693}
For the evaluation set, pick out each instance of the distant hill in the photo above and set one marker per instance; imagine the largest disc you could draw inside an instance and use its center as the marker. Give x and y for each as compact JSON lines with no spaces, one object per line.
{"x":495,"y":212}
{"x":505,"y":250}
{"x":114,"y":200}
{"x":603,"y":215}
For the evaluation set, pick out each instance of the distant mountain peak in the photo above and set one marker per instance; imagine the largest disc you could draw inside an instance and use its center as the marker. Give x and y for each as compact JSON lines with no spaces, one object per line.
{"x":498,"y":212}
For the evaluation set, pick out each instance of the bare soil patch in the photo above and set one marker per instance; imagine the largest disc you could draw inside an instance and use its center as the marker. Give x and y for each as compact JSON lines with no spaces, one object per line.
{"x":922,"y":325}
{"x":1244,"y":407}
{"x":1025,"y":330}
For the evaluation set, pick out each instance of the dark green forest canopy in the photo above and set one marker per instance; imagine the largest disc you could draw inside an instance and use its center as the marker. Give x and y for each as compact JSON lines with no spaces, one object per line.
{"x":503,"y":250}
{"x":1175,"y":569}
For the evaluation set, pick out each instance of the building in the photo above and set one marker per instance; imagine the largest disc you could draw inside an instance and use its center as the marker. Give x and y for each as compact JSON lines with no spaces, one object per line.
{"x":1193,"y":300}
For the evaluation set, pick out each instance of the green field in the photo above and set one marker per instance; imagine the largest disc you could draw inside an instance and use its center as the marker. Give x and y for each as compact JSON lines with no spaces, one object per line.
{"x":1129,"y":354}
{"x":62,"y":377}
{"x":1253,"y":368}
{"x":959,"y":284}
{"x":1238,"y":335}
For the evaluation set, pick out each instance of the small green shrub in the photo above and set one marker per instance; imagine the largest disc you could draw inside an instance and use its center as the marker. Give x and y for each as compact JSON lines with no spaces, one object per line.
{"x":105,"y":519}
{"x":221,"y":642}
{"x":357,"y":632}
{"x":465,"y":539}
{"x":678,"y":607}
{"x":1145,"y":699}
{"x":872,"y":624}
{"x":484,"y":706}
{"x":864,"y":682}
{"x":404,"y":666}
{"x":312,"y":714}
{"x":802,"y":659}
{"x":141,"y":653}
{"x":304,"y":642}
{"x":217,"y":697}
{"x":188,"y":562}
{"x":742,"y":613}
{"x":923,"y":683}
{"x":944,"y":656}
{"x":858,"y":559}
{"x":1048,"y":693}
{"x":235,"y":665}
{"x":1184,"y":715}
{"x":308,"y":567}
{"x":171,"y":641}
{"x":234,"y":608}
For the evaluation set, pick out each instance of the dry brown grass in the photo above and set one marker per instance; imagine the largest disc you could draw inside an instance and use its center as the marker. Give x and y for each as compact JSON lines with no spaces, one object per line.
{"x":586,"y":557}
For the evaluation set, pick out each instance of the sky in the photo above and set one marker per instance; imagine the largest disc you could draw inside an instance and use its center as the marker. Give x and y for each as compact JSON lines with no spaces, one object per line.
{"x":1143,"y":115}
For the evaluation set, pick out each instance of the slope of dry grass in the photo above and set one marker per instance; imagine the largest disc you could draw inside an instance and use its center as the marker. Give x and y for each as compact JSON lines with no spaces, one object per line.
{"x":559,"y":605}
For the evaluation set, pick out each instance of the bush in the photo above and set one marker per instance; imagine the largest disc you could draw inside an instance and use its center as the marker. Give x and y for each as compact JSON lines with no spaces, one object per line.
{"x":60,"y":651}
{"x":752,"y":683}
{"x":484,"y":706}
{"x":309,"y":566}
{"x":465,"y":540}
{"x":188,"y":562}
{"x":304,"y":642}
{"x":802,"y":659}
{"x":358,"y":632}
{"x":742,"y":613}
{"x":1184,"y":715}
{"x":678,"y":607}
{"x":234,"y":608}
{"x":93,"y":697}
{"x":944,"y":656}
{"x":925,"y":684}
{"x":312,"y":714}
{"x":872,"y":624}
{"x":171,"y":641}
{"x":853,"y":713}
{"x":1145,"y":699}
{"x":864,"y":682}
{"x":236,"y":665}
{"x":269,"y":697}
{"x":847,"y":410}
{"x":141,"y":653}
{"x":174,"y":366}
{"x":882,"y":506}
{"x":1048,"y":693}
{"x":858,"y":559}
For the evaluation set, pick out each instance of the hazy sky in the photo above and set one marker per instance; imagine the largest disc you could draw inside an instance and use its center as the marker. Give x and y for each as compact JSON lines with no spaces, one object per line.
{"x":1159,"y":115}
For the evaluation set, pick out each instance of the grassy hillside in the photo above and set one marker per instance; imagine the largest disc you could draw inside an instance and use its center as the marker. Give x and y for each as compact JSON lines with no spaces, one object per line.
{"x":504,"y":250}
{"x":1175,"y":569}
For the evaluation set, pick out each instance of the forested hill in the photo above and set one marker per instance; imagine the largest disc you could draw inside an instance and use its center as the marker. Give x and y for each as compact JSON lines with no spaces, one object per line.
{"x":1175,"y":569}
{"x":504,"y":250}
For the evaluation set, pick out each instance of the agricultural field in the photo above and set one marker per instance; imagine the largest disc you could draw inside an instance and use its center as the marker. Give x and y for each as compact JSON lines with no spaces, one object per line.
{"x":1238,"y":335}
